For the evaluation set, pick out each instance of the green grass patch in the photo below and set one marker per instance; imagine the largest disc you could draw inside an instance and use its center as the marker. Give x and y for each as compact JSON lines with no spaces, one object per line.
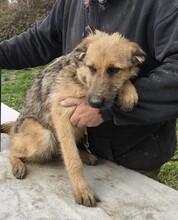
{"x":14,"y":86}
{"x":169,"y":171}
{"x":169,"y":174}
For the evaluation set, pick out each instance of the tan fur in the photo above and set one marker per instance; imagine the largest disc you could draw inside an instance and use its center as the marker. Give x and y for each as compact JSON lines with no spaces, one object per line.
{"x":100,"y":69}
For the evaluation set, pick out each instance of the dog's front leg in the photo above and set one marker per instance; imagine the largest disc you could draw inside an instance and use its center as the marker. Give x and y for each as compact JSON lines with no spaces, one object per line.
{"x":65,"y":133}
{"x":127,"y":96}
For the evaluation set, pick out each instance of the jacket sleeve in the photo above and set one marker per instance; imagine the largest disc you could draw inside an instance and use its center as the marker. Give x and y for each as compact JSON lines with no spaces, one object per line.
{"x":158,"y":93}
{"x":37,"y":46}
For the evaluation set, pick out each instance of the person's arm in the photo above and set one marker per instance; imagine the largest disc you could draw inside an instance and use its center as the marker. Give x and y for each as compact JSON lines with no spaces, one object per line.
{"x":158,"y":93}
{"x":37,"y":46}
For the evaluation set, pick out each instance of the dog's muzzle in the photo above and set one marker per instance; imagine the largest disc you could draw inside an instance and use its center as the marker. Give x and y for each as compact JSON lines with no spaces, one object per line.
{"x":96,"y":102}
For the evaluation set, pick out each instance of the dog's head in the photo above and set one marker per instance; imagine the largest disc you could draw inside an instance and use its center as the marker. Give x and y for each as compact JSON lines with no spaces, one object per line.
{"x":108,"y":62}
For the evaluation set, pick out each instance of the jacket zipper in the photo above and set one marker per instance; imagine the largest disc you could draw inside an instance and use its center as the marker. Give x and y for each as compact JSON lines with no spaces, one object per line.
{"x":88,"y":27}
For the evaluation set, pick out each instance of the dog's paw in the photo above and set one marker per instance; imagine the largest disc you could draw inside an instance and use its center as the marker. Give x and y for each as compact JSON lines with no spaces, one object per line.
{"x":19,"y":170}
{"x":86,"y":197}
{"x":128,"y":101}
{"x":88,"y":158}
{"x":91,"y":159}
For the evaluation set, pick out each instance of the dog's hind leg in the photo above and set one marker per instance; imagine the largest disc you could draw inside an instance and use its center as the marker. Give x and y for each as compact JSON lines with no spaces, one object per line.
{"x":31,"y":143}
{"x":18,"y":167}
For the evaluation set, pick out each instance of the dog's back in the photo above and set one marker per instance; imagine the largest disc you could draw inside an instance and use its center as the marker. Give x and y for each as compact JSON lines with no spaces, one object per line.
{"x":57,"y":82}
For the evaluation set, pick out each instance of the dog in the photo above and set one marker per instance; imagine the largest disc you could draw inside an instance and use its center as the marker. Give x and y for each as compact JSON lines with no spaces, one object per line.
{"x":99,"y":69}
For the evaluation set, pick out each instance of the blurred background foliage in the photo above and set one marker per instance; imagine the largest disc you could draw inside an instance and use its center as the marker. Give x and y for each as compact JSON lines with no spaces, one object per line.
{"x":16,"y":16}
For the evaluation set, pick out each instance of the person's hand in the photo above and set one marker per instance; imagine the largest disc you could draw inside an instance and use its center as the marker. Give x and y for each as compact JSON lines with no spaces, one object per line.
{"x":83,"y":115}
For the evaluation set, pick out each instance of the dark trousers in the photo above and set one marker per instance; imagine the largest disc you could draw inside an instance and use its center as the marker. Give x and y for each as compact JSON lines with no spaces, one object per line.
{"x":144,"y":147}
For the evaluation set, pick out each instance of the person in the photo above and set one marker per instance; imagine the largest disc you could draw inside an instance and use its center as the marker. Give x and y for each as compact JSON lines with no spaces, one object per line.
{"x":144,"y":138}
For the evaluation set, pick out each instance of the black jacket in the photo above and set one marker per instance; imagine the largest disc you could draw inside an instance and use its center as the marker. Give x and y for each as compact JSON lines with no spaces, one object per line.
{"x":153,"y":24}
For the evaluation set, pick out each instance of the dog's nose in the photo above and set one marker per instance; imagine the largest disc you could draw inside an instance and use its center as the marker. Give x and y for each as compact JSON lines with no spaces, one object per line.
{"x":96,"y":102}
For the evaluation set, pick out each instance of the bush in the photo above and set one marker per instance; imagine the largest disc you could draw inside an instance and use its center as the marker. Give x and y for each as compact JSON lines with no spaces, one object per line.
{"x":17,"y":17}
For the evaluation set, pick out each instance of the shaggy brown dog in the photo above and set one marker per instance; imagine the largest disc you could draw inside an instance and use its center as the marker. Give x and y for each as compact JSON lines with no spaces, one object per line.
{"x":99,"y":69}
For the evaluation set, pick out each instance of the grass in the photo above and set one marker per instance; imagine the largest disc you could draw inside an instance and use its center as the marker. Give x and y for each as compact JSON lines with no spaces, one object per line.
{"x":169,"y":171}
{"x":14,"y":87}
{"x":169,"y":174}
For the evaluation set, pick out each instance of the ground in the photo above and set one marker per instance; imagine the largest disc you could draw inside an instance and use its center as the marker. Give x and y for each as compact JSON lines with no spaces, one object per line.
{"x":14,"y":86}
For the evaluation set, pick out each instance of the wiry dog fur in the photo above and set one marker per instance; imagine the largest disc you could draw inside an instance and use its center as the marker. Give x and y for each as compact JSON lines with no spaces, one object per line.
{"x":100,"y":69}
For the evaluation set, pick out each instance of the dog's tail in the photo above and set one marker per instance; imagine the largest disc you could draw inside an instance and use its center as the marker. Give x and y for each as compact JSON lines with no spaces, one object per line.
{"x":7,"y":127}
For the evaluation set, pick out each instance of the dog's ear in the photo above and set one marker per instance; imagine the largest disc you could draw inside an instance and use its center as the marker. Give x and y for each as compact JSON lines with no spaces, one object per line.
{"x":81,"y":49}
{"x":80,"y":52}
{"x":137,"y":54}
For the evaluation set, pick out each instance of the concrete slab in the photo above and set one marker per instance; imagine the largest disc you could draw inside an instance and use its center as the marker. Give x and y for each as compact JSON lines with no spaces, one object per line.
{"x":46,"y":193}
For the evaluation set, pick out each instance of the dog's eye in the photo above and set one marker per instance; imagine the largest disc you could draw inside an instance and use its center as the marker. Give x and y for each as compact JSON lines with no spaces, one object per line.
{"x":112,"y":70}
{"x":92,"y":69}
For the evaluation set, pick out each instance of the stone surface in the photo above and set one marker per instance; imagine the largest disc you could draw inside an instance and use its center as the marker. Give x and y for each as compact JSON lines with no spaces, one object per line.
{"x":46,"y":193}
